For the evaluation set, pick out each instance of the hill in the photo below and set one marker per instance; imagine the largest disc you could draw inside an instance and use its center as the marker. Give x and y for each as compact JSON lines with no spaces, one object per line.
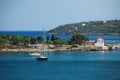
{"x":111,"y":27}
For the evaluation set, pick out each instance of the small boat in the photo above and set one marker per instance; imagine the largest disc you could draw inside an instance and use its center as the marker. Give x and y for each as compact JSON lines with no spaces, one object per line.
{"x":35,"y":54}
{"x":42,"y":58}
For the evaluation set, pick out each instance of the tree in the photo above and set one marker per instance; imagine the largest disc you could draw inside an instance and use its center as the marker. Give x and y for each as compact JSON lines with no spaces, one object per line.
{"x":59,"y":41}
{"x":33,"y":40}
{"x":48,"y":38}
{"x":78,"y":39}
{"x":16,"y":39}
{"x":6,"y":38}
{"x":53,"y":38}
{"x":48,"y":42}
{"x":2,"y":41}
{"x":40,"y":39}
{"x":26,"y":40}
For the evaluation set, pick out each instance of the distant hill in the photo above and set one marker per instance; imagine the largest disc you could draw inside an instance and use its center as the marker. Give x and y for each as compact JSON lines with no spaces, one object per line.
{"x":111,"y":27}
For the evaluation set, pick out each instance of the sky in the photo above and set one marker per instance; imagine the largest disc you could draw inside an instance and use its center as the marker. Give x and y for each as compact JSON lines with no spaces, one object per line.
{"x":33,"y":15}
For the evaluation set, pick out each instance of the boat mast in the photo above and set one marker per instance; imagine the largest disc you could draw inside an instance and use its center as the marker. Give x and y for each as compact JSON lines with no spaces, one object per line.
{"x":44,"y":35}
{"x":44,"y":41}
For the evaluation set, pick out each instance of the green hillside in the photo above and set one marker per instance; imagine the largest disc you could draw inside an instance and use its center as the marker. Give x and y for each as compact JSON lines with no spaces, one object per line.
{"x":111,"y":27}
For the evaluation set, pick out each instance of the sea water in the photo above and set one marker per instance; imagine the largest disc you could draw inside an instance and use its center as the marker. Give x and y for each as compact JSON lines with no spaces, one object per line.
{"x":65,"y":65}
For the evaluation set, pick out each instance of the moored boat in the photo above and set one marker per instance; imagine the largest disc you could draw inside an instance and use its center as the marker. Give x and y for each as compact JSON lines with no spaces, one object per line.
{"x":35,"y":54}
{"x":42,"y":58}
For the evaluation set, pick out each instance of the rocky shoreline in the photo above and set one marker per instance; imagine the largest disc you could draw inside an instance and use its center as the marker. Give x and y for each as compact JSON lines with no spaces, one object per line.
{"x":63,"y":48}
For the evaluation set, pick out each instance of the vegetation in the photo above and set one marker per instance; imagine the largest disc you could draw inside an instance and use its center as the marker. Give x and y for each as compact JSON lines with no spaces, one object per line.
{"x":16,"y":41}
{"x":111,"y":27}
{"x":78,"y":39}
{"x":26,"y":40}
{"x":40,"y":39}
{"x":57,"y":41}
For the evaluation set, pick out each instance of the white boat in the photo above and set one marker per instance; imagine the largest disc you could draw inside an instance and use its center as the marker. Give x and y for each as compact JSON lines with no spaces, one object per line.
{"x":35,"y":54}
{"x":42,"y":56}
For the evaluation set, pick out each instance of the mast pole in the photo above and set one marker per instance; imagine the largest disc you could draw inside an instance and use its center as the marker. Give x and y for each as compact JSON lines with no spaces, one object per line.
{"x":44,"y":35}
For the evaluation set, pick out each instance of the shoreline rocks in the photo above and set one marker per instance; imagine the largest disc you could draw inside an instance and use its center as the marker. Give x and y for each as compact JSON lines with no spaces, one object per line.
{"x":64,"y":48}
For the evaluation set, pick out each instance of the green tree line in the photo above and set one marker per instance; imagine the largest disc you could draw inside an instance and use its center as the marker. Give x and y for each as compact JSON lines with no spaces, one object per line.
{"x":7,"y":41}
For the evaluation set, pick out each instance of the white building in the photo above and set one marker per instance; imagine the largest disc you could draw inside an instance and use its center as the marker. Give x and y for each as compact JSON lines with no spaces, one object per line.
{"x":100,"y":43}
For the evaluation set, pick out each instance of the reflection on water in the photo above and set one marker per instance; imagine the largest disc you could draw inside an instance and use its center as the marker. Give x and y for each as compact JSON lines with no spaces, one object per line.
{"x":102,"y":55}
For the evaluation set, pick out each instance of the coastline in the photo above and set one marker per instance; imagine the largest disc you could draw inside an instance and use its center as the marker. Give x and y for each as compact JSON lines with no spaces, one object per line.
{"x":63,"y":48}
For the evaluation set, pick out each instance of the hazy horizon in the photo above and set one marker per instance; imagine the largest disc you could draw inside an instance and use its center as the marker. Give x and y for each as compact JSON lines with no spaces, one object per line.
{"x":33,"y":15}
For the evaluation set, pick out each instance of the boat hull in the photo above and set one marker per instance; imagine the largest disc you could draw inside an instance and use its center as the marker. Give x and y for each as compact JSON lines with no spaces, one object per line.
{"x":42,"y":59}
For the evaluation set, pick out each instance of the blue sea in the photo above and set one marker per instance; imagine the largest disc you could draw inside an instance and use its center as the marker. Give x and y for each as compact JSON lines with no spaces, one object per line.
{"x":65,"y":65}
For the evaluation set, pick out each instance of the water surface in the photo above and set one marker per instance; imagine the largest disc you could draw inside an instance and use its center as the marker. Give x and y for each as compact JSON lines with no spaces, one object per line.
{"x":67,"y":65}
